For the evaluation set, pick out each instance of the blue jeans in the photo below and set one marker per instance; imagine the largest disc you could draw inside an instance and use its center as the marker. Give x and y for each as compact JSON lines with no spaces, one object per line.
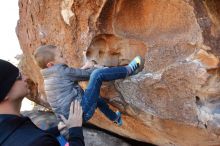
{"x":91,"y":98}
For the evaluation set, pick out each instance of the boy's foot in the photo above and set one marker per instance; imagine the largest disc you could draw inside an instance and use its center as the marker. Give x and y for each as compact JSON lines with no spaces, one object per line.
{"x":135,"y":65}
{"x":118,"y":121}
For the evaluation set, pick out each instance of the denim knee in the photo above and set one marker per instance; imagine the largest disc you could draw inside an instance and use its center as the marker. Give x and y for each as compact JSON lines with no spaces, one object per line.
{"x":96,"y":73}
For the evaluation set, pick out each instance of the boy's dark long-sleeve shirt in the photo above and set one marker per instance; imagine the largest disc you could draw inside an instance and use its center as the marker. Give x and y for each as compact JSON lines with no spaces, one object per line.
{"x":27,"y":134}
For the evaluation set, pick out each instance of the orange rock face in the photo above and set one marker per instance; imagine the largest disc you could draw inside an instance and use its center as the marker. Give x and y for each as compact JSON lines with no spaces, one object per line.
{"x":175,"y":100}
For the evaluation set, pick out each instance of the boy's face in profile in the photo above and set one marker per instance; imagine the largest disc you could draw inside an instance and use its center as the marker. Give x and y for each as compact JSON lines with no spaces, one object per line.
{"x":59,"y":59}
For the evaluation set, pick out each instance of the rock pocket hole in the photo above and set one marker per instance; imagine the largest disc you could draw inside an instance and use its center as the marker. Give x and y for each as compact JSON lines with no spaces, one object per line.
{"x":198,"y":101}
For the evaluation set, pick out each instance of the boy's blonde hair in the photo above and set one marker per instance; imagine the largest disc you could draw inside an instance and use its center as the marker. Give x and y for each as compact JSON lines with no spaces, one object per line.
{"x":44,"y":54}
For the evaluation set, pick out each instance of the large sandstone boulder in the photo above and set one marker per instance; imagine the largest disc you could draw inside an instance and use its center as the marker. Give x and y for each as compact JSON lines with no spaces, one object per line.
{"x":175,"y":100}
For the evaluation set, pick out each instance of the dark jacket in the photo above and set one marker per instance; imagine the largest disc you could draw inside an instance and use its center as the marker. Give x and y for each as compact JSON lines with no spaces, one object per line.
{"x":21,"y":131}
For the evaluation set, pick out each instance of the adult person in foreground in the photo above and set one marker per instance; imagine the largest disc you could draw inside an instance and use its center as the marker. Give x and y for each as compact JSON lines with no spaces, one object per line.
{"x":16,"y":130}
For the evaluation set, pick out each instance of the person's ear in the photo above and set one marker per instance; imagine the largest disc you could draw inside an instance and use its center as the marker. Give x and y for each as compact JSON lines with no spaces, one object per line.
{"x":49,"y":64}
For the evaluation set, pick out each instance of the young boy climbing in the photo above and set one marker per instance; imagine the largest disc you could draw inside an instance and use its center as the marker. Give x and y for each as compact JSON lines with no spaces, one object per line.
{"x":61,"y":83}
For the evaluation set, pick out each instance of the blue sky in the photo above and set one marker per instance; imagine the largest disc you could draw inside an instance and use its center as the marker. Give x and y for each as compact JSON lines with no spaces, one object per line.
{"x":9,"y":16}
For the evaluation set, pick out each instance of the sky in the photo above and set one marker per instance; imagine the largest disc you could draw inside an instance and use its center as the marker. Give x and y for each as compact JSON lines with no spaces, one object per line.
{"x":9,"y":47}
{"x":9,"y":15}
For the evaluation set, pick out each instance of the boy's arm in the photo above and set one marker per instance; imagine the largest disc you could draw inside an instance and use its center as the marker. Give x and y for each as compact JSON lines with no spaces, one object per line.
{"x":79,"y":74}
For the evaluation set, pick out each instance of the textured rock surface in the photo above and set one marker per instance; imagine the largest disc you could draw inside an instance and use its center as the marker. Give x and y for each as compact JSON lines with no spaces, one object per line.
{"x":175,"y":100}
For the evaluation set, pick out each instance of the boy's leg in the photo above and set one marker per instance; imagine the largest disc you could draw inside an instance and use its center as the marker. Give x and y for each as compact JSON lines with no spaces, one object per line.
{"x":90,"y":98}
{"x":113,"y":116}
{"x":91,"y":94}
{"x":104,"y":108}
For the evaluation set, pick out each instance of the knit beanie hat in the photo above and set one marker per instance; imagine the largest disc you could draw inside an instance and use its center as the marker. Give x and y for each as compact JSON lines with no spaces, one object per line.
{"x":8,"y":75}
